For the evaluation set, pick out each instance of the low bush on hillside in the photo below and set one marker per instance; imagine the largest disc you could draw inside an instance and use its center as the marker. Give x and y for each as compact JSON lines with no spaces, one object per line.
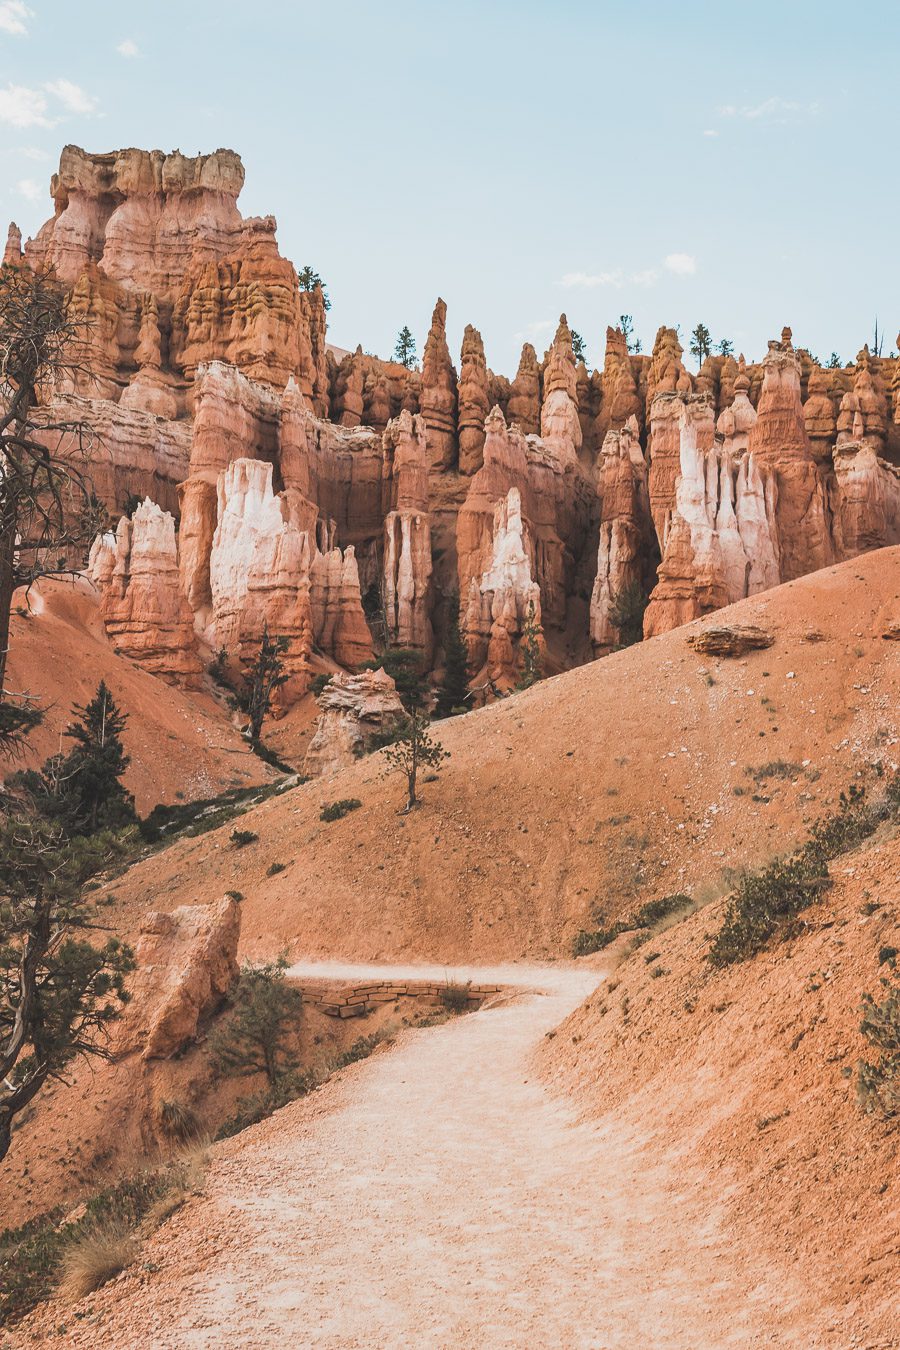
{"x":193,"y":818}
{"x":767,"y":903}
{"x":335,"y":810}
{"x":878,"y":1083}
{"x":241,"y":838}
{"x":291,"y":1086}
{"x":649,"y":914}
{"x":84,"y":1252}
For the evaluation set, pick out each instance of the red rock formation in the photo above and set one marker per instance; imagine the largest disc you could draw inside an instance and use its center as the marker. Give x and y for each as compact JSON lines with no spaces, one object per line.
{"x":354,"y":709}
{"x":234,"y":418}
{"x":619,"y":398}
{"x":666,"y":414}
{"x":339,"y":624}
{"x":778,"y":440}
{"x":504,"y":599}
{"x":525,"y":394}
{"x":407,"y":535}
{"x":560,"y":425}
{"x":146,"y":616}
{"x":866,"y":501}
{"x":473,"y":401}
{"x":626,"y":530}
{"x":721,"y":542}
{"x":437,"y":400}
{"x":864,"y":410}
{"x":186,"y":963}
{"x":12,"y":253}
{"x":819,"y":416}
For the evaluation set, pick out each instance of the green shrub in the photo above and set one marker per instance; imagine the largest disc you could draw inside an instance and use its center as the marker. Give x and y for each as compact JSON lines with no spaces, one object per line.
{"x":318,"y":683}
{"x":335,"y":810}
{"x":454,"y":996}
{"x":274,"y":868}
{"x":650,"y":914}
{"x":878,"y":1083}
{"x":288,"y":1087}
{"x":765,"y":903}
{"x":241,"y":838}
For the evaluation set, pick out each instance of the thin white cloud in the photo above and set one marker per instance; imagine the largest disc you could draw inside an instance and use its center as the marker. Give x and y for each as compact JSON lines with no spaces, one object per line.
{"x":128,"y":47}
{"x":710,"y":132}
{"x":72,"y":97}
{"x":532,"y":331}
{"x":14,"y":16}
{"x":28,"y":188}
{"x":682,"y":264}
{"x":616,"y":279}
{"x":22,"y":107}
{"x":773,"y":109}
{"x":588,"y":280}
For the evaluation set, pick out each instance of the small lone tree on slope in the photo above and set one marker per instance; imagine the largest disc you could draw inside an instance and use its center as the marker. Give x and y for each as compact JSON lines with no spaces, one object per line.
{"x":405,"y":348}
{"x":578,"y":349}
{"x":266,"y":1009}
{"x":266,"y":675}
{"x":414,"y":749}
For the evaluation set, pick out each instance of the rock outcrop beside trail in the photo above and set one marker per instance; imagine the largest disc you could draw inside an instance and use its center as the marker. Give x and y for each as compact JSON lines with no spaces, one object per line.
{"x":392,"y":489}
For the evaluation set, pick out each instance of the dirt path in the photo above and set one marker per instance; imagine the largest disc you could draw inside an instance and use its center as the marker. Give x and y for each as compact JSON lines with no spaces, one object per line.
{"x":437,"y":1195}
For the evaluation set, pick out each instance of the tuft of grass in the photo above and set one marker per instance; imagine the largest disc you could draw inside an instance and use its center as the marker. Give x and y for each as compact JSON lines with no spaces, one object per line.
{"x":454,"y":996}
{"x":177,"y":1121}
{"x":95,"y":1258}
{"x":335,"y":810}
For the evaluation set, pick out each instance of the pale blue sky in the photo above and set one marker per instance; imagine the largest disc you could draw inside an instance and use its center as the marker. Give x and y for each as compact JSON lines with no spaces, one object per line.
{"x":679,"y":161}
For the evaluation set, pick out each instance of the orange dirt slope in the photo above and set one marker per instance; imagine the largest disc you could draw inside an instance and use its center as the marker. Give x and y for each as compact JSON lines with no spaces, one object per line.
{"x":646,"y":773}
{"x":180,"y":743}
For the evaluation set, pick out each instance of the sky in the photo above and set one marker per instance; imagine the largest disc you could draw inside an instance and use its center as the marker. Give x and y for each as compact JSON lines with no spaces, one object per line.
{"x":680,"y":162}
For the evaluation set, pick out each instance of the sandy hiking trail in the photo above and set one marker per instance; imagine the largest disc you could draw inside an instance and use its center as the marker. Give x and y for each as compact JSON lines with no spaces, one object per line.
{"x":437,"y":1194}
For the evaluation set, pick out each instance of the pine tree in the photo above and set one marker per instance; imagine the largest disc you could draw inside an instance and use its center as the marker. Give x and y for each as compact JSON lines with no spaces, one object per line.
{"x":58,"y":992}
{"x":309,"y":279}
{"x":414,"y":749}
{"x":701,"y":343}
{"x":405,"y":348}
{"x":626,"y":326}
{"x":266,"y":1010}
{"x":405,"y":667}
{"x":725,"y":347}
{"x":834,"y":362}
{"x":530,"y":649}
{"x":454,"y":687}
{"x":85,"y":784}
{"x":265,"y":676}
{"x":578,"y":349}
